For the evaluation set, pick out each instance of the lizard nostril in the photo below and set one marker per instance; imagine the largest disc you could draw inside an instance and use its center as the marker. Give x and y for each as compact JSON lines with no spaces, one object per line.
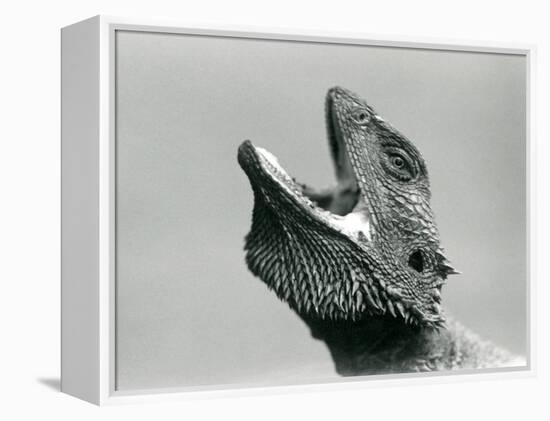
{"x":416,"y":261}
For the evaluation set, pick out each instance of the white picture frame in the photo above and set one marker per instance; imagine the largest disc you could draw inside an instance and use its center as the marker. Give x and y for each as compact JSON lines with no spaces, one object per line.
{"x":88,"y":203}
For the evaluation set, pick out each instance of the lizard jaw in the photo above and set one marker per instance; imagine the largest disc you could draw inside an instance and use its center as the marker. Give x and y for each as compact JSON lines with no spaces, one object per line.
{"x":339,"y":207}
{"x":343,"y":206}
{"x":268,"y":177}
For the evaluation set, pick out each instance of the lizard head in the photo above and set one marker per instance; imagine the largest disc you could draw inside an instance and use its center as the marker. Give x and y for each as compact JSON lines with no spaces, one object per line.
{"x":367,"y":247}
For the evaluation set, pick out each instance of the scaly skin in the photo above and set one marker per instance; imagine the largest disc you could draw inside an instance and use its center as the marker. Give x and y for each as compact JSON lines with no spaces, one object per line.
{"x":360,"y":263}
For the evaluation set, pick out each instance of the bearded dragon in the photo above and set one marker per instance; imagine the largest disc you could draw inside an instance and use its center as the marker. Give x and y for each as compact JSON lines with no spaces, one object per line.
{"x":361,"y":263}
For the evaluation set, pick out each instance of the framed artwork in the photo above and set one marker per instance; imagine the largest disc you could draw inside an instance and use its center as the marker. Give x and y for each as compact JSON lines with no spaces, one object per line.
{"x":243,"y":210}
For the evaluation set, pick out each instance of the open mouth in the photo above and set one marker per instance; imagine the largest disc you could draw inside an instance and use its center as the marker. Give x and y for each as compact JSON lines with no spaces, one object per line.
{"x":341,"y":206}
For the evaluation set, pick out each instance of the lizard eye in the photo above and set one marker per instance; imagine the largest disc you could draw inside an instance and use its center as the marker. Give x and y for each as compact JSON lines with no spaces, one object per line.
{"x":398,"y":164}
{"x":360,"y":117}
{"x":397,"y":161}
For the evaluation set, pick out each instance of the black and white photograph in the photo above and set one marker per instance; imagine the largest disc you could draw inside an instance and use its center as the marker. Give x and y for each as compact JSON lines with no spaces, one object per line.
{"x":299,"y":212}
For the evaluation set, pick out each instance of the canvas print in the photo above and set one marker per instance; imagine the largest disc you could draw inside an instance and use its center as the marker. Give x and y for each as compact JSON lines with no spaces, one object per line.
{"x":300,"y":212}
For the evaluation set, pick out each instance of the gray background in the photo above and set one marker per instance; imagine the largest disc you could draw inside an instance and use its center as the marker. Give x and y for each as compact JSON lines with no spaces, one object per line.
{"x":188,"y":311}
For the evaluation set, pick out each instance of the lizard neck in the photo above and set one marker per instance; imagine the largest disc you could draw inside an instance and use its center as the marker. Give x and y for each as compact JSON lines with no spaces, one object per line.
{"x":376,"y":345}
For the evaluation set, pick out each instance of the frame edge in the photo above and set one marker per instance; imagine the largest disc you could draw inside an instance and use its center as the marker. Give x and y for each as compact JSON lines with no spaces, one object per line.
{"x":80,"y":312}
{"x":104,"y":26}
